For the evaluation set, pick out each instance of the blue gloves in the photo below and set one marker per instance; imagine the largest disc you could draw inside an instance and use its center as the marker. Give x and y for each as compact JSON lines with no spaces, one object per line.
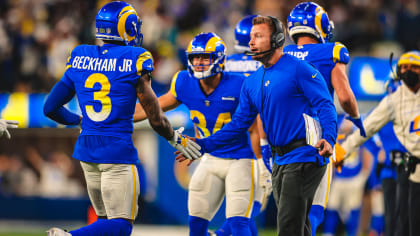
{"x":267,"y":156}
{"x":358,"y":122}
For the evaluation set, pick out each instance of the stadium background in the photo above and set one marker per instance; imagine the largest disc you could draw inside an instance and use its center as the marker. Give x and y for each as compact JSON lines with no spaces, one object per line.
{"x":42,"y":186}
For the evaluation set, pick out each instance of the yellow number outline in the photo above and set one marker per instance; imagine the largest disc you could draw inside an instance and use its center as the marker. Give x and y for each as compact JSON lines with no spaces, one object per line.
{"x":101,"y":96}
{"x":222,"y":119}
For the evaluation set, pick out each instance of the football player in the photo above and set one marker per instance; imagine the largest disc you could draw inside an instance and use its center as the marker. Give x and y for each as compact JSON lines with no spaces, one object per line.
{"x":244,"y":64}
{"x":107,"y":80}
{"x":311,"y":30}
{"x":347,"y":188}
{"x":212,"y":97}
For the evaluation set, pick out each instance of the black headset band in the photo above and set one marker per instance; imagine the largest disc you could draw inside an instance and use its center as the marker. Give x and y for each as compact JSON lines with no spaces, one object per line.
{"x":277,"y":37}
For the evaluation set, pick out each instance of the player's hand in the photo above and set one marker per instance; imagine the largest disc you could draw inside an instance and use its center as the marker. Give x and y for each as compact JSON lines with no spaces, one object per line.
{"x":187,"y":147}
{"x":264,"y":177}
{"x":181,"y":158}
{"x":358,"y":122}
{"x":324,"y":148}
{"x":340,"y":154}
{"x":339,"y":157}
{"x":6,"y":124}
{"x":267,"y":157}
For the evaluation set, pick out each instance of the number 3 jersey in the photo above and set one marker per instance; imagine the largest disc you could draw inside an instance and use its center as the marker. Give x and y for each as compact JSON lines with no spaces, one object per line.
{"x":210,"y":113}
{"x":105,"y":79}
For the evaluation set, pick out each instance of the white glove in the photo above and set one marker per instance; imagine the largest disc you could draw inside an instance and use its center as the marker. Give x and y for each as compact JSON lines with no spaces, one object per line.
{"x":189,"y":148}
{"x":5,"y":124}
{"x":264,"y":177}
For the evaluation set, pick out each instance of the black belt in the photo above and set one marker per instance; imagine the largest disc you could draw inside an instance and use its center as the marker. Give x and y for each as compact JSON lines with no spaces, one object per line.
{"x":283,"y":150}
{"x":397,"y":157}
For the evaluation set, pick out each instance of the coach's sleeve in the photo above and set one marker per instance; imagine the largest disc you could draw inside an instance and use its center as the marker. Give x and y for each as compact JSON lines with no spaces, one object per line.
{"x":316,"y":91}
{"x":243,"y":118}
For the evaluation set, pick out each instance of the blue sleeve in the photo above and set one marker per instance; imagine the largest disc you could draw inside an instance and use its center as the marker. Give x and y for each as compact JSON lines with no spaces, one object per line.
{"x":315,"y":90}
{"x":54,"y":109}
{"x":243,"y":118}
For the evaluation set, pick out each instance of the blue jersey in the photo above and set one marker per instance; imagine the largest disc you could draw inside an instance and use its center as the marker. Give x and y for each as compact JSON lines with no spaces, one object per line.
{"x":210,"y":113}
{"x":241,"y":63}
{"x":281,"y":94}
{"x":323,"y":56}
{"x":104,"y":79}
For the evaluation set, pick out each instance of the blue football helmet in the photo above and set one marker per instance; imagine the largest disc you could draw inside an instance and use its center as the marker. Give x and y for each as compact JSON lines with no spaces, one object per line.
{"x":118,"y":21}
{"x":212,"y":45}
{"x":310,"y":18}
{"x":242,"y":33}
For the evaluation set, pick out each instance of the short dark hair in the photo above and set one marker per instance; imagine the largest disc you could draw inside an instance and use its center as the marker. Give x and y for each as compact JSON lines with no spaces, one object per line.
{"x":264,"y":20}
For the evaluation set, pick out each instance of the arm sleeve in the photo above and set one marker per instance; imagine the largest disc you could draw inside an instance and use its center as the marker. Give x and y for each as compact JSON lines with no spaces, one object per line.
{"x":173,"y":89}
{"x":316,"y":91}
{"x":379,"y":117}
{"x":340,"y":53}
{"x":54,"y":109}
{"x":144,"y":63}
{"x":243,"y":118}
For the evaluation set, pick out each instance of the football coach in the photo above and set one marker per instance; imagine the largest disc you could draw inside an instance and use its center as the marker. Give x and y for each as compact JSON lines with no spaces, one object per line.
{"x":281,"y":91}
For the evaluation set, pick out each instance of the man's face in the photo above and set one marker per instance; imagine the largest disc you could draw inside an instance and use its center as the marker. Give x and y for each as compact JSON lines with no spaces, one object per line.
{"x":413,"y":68}
{"x":201,"y":62}
{"x":260,"y":39}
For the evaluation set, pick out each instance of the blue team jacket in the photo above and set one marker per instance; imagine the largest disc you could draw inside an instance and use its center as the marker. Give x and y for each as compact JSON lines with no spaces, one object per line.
{"x":281,"y":94}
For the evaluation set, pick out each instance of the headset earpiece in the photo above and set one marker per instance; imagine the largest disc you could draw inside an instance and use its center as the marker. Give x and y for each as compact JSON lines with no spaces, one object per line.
{"x":277,"y":37}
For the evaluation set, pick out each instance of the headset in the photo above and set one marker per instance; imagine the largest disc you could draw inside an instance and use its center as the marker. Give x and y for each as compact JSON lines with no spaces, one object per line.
{"x":276,"y":40}
{"x":277,"y":37}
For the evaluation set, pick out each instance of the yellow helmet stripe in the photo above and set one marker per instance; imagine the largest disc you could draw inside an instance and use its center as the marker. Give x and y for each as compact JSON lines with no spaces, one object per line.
{"x":212,"y":44}
{"x":128,"y":9}
{"x":318,"y":16}
{"x":412,"y":58}
{"x":189,"y":49}
{"x":122,"y":20}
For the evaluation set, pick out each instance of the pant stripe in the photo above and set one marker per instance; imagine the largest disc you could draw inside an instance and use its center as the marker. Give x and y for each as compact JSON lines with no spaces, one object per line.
{"x":328,"y":186}
{"x":134,"y":191}
{"x":251,"y":198}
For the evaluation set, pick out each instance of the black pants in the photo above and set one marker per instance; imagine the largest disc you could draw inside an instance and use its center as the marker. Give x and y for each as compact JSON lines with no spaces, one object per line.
{"x":294,"y":187}
{"x":401,"y":209}
{"x":414,"y":208}
{"x":389,"y":186}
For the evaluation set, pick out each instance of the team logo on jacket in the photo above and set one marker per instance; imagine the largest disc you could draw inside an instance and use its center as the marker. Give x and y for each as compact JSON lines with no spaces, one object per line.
{"x":230,"y":98}
{"x":415,"y":125}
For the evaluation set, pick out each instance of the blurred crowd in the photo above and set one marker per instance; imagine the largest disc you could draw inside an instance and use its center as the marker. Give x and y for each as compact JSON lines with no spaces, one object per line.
{"x":28,"y":174}
{"x":37,"y":36}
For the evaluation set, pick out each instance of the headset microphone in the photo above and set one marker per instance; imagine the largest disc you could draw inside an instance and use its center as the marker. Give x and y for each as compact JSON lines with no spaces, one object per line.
{"x":395,"y":75}
{"x":249,"y":53}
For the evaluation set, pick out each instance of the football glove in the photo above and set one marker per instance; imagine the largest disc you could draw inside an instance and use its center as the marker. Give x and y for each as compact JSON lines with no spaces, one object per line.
{"x":264,"y":177}
{"x":358,"y":122}
{"x":5,"y":124}
{"x":187,"y":147}
{"x":340,"y":154}
{"x":267,"y":155}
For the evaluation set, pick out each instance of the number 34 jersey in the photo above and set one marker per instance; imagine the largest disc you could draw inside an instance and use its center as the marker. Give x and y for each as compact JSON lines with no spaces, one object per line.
{"x":105,"y":79}
{"x":210,"y":113}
